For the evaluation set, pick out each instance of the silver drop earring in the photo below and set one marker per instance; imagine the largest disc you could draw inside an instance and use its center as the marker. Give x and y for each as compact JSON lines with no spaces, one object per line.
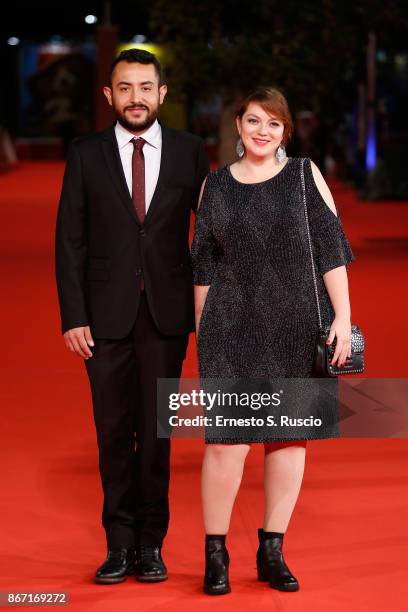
{"x":280,"y":153}
{"x":240,"y":148}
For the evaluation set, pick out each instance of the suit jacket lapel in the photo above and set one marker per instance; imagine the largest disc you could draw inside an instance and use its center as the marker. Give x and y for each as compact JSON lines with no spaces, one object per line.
{"x":113,"y":161}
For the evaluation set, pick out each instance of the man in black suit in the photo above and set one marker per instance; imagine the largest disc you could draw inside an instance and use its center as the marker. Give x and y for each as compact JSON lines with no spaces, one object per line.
{"x":126,"y":298}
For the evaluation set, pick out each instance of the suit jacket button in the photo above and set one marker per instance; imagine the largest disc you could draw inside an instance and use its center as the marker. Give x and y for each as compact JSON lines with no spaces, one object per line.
{"x":142,"y":232}
{"x":138,"y":272}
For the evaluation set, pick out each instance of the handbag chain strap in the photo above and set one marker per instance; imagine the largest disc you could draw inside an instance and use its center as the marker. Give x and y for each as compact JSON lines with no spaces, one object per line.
{"x":302,"y":181}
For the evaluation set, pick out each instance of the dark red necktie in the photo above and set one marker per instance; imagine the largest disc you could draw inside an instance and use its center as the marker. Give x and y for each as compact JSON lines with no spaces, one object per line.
{"x":138,"y":178}
{"x":138,"y":184}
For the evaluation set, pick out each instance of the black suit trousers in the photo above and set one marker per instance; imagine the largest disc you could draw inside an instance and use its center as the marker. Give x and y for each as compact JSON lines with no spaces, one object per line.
{"x":134,"y":464}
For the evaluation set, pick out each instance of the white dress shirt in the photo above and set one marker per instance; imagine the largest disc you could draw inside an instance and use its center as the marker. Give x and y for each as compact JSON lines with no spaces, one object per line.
{"x":151,"y":152}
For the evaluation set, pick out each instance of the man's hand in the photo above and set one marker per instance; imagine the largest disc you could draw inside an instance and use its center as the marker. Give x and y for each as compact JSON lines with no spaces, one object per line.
{"x":78,"y":340}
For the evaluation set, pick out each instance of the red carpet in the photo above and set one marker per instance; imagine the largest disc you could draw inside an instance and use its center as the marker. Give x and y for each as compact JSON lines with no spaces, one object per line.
{"x":347,"y":541}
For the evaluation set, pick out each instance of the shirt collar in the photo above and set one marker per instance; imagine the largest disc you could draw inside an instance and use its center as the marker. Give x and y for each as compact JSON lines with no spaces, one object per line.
{"x":152,"y":136}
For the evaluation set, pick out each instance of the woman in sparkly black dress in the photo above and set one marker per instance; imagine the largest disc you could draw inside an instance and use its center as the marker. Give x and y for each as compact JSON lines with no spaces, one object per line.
{"x":256,"y":314}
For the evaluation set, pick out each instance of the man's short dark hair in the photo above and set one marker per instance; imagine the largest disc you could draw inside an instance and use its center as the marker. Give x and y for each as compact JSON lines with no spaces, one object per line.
{"x":138,"y":56}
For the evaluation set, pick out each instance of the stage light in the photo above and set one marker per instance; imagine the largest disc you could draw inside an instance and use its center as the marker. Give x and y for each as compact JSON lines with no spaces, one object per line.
{"x":371,"y":149}
{"x":13,"y":41}
{"x":381,"y":56}
{"x":91,"y":19}
{"x":400,"y":60}
{"x":139,"y":38}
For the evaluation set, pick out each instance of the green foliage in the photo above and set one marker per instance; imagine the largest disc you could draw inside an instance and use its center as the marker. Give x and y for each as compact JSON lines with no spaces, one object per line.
{"x":314,"y":51}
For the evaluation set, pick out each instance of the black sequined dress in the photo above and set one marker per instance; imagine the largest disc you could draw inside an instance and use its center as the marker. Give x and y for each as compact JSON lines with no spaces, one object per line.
{"x":251,"y":246}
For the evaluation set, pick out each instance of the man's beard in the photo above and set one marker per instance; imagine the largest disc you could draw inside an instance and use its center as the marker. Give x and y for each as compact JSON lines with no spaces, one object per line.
{"x":134,"y":125}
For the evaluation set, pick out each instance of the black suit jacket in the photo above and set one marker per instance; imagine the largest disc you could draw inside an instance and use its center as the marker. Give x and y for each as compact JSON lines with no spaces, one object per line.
{"x":101,"y":248}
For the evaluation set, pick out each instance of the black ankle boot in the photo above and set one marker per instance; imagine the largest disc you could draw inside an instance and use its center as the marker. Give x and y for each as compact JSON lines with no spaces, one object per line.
{"x":216,"y":566}
{"x":271,"y":564}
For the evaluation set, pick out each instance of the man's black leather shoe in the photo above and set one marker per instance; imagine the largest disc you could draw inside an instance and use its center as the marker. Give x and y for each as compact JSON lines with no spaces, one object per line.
{"x":149,"y":564}
{"x":118,"y":565}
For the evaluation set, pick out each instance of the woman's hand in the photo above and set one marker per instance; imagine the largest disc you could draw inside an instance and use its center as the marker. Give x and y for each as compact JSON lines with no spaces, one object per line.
{"x":341,"y":329}
{"x":337,"y":287}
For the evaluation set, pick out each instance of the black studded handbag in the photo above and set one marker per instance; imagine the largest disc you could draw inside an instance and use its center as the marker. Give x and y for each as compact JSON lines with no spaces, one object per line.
{"x":322,"y":367}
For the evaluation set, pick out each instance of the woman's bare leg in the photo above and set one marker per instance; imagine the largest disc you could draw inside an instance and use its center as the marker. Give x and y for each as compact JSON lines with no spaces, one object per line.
{"x":284,"y":470}
{"x":221,"y":476}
